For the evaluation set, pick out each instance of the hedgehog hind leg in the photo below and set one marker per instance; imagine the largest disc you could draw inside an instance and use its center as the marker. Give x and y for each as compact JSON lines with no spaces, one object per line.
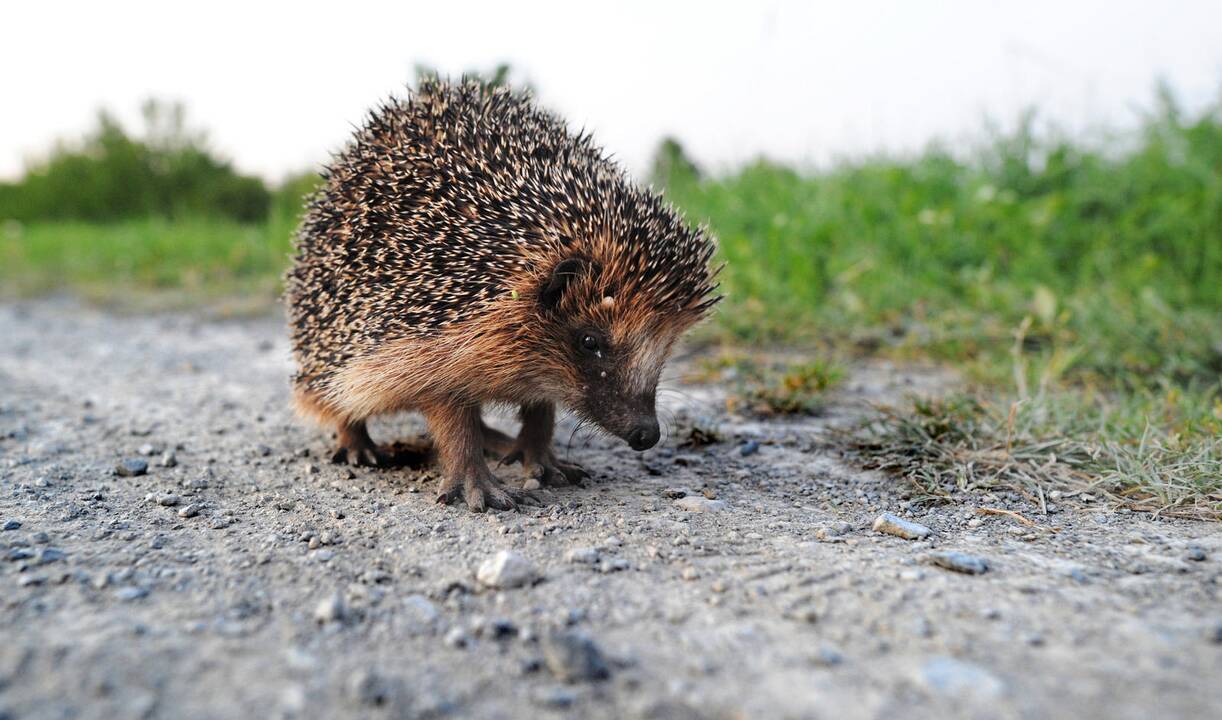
{"x":355,"y":447}
{"x":496,"y":443}
{"x":533,"y":448}
{"x":458,"y":435}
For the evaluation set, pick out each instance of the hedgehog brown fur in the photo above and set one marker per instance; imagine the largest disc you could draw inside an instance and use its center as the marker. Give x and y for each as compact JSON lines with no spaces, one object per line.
{"x":466,"y":248}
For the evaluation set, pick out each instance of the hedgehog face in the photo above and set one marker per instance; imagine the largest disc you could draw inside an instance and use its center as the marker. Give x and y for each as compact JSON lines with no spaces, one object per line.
{"x":618,"y":379}
{"x":607,"y":361}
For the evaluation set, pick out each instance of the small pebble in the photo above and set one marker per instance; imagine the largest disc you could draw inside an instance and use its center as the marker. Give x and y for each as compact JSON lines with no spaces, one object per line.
{"x":700,"y":504}
{"x":330,"y":609}
{"x":610,"y":565}
{"x":827,"y":656}
{"x":1196,"y":554}
{"x":12,"y":525}
{"x":167,"y":500}
{"x":49,"y":555}
{"x":555,"y":697}
{"x":505,"y":570}
{"x":169,"y":459}
{"x":366,"y":687}
{"x":582,"y":555}
{"x":128,"y":594}
{"x":834,"y":530}
{"x":572,"y":656}
{"x":749,"y":448}
{"x":959,"y":562}
{"x":131,"y":467}
{"x":457,"y":638}
{"x":899,"y":527}
{"x":189,"y":511}
{"x":956,"y":678}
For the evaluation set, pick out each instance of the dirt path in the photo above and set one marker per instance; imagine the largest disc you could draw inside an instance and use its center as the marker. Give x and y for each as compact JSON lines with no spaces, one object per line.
{"x":252,"y":579}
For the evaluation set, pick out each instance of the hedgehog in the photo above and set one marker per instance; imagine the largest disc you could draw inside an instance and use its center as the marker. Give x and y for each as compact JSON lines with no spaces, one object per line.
{"x":466,"y":250}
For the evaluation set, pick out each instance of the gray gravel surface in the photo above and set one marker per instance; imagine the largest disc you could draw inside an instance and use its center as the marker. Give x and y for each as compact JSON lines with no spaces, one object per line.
{"x":175,"y":545}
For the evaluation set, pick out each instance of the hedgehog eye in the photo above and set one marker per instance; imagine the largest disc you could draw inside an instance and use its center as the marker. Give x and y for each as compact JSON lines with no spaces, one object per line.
{"x":589,"y":342}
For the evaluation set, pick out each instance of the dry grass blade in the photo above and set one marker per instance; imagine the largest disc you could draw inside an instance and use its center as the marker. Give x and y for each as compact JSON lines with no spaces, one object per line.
{"x":963,"y":443}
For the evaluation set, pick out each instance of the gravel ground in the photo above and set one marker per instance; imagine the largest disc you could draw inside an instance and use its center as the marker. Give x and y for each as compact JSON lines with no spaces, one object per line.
{"x":175,"y":545}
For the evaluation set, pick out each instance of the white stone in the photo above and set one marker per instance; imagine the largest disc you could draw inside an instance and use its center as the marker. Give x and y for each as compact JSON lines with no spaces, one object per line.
{"x":506,"y":569}
{"x":700,"y":504}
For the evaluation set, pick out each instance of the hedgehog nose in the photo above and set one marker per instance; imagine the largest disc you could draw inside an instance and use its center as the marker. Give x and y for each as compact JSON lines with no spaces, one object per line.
{"x":644,"y":436}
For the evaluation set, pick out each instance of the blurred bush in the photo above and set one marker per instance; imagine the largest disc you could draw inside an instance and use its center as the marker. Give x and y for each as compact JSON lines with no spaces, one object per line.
{"x":110,"y":175}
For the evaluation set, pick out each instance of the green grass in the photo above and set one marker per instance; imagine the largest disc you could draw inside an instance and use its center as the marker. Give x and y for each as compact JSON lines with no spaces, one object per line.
{"x":1110,"y":265}
{"x":1083,"y":278}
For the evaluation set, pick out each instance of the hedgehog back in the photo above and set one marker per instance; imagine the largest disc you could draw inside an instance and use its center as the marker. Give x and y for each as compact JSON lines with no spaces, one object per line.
{"x":441,"y":202}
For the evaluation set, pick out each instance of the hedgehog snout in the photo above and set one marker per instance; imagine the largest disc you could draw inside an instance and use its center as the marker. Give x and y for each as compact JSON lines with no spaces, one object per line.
{"x":645,"y":435}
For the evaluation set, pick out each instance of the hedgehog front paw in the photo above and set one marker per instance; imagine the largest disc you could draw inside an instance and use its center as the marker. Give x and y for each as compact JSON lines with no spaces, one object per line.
{"x":481,"y":491}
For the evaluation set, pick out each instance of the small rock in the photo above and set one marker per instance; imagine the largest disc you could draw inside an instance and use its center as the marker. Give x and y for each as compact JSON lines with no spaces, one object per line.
{"x":960,"y":562}
{"x":11,"y":525}
{"x":690,"y":573}
{"x":131,"y":467}
{"x":674,"y":493}
{"x":573,"y":657}
{"x":167,"y":500}
{"x":189,"y":511}
{"x":169,"y":459}
{"x":555,"y":697}
{"x":457,"y":638}
{"x":330,"y":609}
{"x":366,"y":687}
{"x":30,"y":580}
{"x":834,"y":530}
{"x":49,"y":555}
{"x":956,"y":678}
{"x":128,"y":594}
{"x":827,"y":656}
{"x":749,"y":448}
{"x":420,"y":610}
{"x":530,"y":484}
{"x":501,"y":628}
{"x":610,"y":565}
{"x":505,"y":570}
{"x":899,"y":527}
{"x":147,"y":449}
{"x":1196,"y":554}
{"x":700,"y":504}
{"x":584,"y":555}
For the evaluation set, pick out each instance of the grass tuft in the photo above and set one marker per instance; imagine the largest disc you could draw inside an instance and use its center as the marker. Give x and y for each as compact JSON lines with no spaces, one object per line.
{"x":771,"y":387}
{"x":1054,"y":448}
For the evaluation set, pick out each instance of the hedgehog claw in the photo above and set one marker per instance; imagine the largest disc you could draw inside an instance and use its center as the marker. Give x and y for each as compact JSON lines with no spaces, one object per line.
{"x":368,"y":456}
{"x":482,"y":494}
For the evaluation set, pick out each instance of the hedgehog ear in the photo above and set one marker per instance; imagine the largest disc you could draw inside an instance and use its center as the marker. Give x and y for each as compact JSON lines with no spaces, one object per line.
{"x":563,"y":274}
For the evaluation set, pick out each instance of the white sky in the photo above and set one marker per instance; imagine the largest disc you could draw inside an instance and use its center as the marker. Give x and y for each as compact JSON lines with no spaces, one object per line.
{"x":277,"y":85}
